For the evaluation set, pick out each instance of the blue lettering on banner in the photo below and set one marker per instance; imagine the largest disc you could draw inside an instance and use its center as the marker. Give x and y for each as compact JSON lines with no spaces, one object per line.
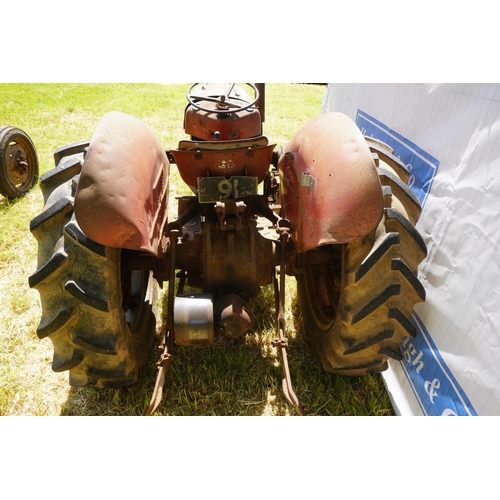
{"x":421,"y":165}
{"x":434,"y":386}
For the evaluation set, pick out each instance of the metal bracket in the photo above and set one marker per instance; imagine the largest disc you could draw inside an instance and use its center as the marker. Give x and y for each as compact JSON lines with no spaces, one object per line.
{"x":307,"y":179}
{"x":281,"y":342}
{"x":230,"y":207}
{"x":169,"y":344}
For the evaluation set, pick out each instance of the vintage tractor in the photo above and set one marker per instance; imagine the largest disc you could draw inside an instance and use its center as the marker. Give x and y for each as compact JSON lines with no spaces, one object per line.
{"x":18,"y":163}
{"x":332,"y":208}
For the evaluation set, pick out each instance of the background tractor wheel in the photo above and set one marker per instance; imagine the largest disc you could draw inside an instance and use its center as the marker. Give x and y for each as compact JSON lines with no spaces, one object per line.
{"x":18,"y":163}
{"x":99,"y":317}
{"x":357,"y":299}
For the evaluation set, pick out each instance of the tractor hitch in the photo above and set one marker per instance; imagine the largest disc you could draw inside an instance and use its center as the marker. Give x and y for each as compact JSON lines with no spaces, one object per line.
{"x":281,"y":341}
{"x":192,"y":319}
{"x":169,"y":347}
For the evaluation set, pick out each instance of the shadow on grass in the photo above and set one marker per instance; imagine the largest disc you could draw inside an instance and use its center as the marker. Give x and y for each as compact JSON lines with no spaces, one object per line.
{"x":6,"y":204}
{"x":239,"y":377}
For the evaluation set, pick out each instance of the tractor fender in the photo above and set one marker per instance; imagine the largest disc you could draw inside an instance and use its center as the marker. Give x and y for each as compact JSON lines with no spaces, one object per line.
{"x":331,"y":191}
{"x":122,"y":195}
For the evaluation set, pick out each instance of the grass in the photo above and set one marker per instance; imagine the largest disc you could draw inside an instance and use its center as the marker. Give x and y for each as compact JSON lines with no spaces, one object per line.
{"x":241,"y":377}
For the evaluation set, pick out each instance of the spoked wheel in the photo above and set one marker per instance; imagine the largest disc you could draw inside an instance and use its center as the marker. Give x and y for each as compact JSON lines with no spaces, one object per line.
{"x":357,"y":299}
{"x":18,"y":163}
{"x":98,"y":314}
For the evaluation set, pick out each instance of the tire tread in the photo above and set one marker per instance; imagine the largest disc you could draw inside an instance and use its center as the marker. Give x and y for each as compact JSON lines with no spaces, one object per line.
{"x":77,"y":280}
{"x":379,"y":288}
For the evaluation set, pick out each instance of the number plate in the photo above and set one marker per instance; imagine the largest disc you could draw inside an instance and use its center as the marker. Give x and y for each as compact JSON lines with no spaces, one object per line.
{"x":213,"y":189}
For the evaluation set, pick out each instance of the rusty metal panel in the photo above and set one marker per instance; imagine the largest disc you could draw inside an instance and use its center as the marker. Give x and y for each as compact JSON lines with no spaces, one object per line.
{"x":331,"y":191}
{"x":122,"y":194}
{"x":253,"y":162}
{"x":237,"y":125}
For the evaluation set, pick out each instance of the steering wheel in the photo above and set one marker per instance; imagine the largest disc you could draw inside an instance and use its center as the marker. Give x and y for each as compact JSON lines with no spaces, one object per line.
{"x":224,"y":102}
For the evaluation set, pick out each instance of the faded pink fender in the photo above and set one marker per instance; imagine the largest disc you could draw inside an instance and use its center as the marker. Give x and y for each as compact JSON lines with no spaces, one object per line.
{"x":331,"y":191}
{"x":121,"y":198}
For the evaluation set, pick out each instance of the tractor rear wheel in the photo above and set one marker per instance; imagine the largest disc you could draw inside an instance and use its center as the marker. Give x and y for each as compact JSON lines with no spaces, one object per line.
{"x":18,"y":163}
{"x":357,"y":299}
{"x":99,"y":316}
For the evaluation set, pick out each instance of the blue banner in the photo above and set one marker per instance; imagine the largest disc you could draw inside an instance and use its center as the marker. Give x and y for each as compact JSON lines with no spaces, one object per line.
{"x":434,"y":386}
{"x":421,"y":165}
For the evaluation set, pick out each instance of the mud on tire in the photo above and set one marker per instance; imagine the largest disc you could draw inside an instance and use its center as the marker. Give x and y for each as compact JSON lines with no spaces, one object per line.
{"x":99,"y":318}
{"x":357,"y":299}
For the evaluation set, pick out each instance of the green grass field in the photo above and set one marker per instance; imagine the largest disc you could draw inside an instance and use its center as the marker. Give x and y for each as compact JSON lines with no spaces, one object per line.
{"x":240,"y":377}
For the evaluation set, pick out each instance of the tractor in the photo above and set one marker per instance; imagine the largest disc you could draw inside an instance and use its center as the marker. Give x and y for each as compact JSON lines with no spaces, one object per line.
{"x":332,"y":208}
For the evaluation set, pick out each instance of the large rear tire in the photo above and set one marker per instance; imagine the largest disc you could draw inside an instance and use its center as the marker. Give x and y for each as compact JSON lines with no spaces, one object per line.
{"x":357,"y":299}
{"x":99,"y":317}
{"x":18,"y":163}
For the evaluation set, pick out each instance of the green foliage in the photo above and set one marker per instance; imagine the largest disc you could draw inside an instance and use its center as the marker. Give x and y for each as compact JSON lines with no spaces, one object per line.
{"x":241,"y":377}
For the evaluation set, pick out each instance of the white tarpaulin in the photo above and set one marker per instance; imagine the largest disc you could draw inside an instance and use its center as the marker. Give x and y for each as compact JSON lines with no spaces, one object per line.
{"x":448,"y":136}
